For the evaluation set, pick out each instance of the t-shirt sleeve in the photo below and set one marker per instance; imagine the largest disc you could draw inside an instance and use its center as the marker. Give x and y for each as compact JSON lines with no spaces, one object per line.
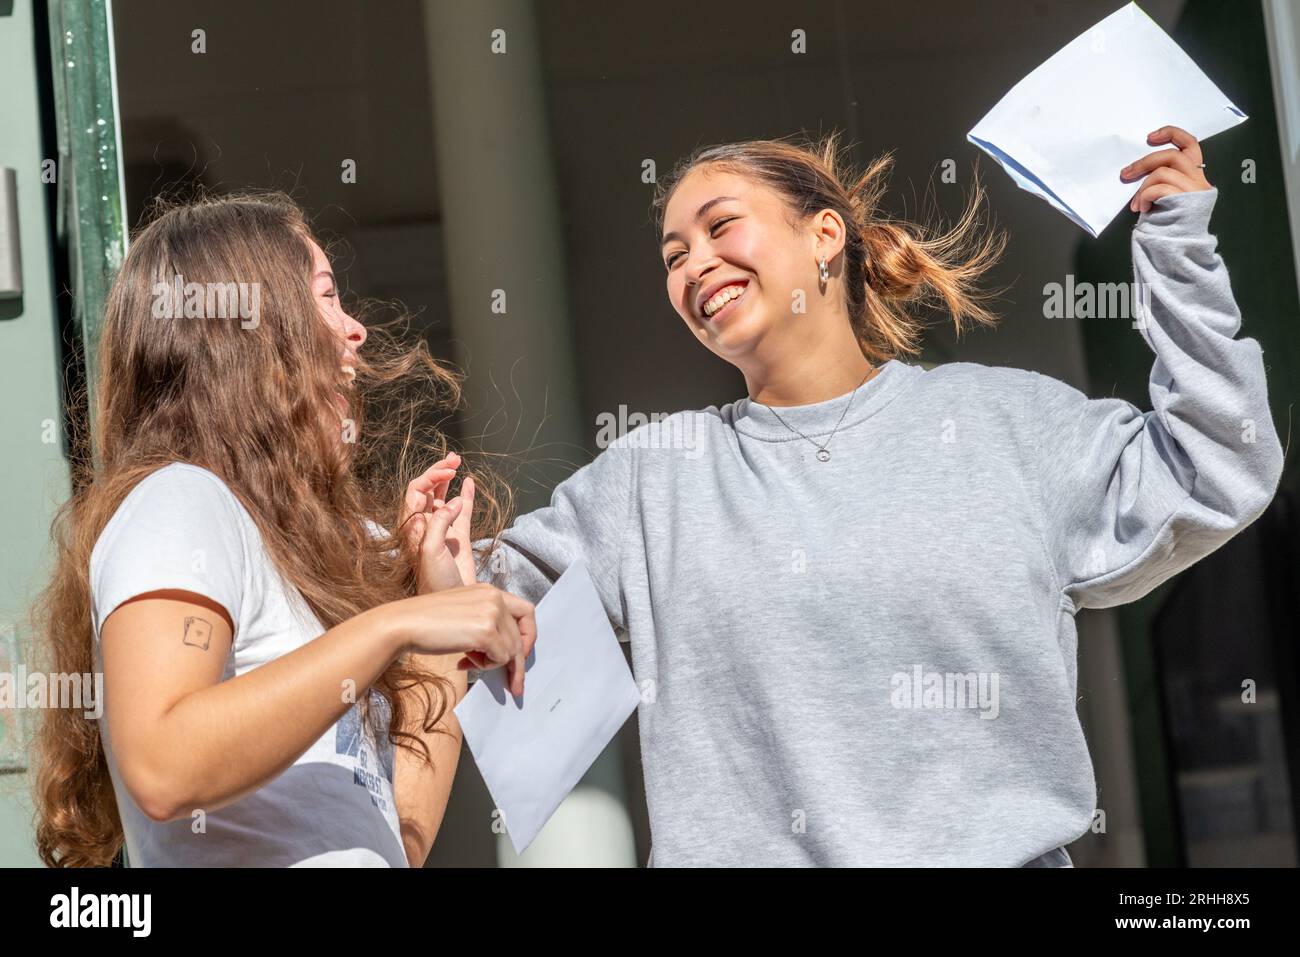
{"x":1130,"y":498}
{"x":587,"y":519}
{"x":178,"y":529}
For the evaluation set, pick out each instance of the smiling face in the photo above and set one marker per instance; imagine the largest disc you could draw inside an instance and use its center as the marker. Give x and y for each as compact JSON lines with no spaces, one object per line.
{"x":324,"y":289}
{"x":347,"y":330}
{"x":734,"y":261}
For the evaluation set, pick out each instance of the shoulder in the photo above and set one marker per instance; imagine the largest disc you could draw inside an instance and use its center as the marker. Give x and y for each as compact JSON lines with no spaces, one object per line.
{"x":973,"y":378}
{"x":1022,"y":402}
{"x":677,"y":430}
{"x":179,"y":528}
{"x":1009,"y":400}
{"x":661,"y":443}
{"x":177,"y":501}
{"x":181,"y":487}
{"x":180,"y":481}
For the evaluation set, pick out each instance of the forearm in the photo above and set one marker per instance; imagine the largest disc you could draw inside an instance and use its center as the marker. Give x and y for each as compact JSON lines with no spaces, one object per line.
{"x":1208,"y":388}
{"x":589,"y":520}
{"x":422,"y":789}
{"x":528,"y":574}
{"x":1130,"y":498}
{"x":214,"y":746}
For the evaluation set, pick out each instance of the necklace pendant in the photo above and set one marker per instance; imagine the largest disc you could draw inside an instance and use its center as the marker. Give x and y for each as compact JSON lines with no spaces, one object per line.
{"x":823,"y":455}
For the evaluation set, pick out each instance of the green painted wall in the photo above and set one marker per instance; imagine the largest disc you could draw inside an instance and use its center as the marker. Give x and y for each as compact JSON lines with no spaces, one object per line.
{"x":33,"y":471}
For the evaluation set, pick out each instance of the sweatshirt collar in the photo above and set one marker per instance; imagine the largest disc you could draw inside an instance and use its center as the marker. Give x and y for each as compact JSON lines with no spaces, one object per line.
{"x":819,"y":419}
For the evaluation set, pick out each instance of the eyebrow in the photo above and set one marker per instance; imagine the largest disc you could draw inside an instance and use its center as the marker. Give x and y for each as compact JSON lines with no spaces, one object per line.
{"x":699,"y":214}
{"x":323,"y":274}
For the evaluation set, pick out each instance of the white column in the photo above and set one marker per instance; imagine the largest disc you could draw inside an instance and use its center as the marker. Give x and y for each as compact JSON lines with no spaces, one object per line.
{"x":1282,"y":26}
{"x":502,"y":234}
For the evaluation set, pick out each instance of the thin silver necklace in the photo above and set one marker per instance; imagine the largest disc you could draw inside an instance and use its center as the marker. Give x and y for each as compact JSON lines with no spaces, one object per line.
{"x":823,"y":453}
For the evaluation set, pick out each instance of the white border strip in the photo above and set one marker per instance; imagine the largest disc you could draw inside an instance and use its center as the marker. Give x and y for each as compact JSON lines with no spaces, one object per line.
{"x":117,"y":126}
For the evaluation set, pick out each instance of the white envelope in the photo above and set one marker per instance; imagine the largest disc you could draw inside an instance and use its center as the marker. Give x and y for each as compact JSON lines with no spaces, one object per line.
{"x":1065,"y":131}
{"x":578,"y":691}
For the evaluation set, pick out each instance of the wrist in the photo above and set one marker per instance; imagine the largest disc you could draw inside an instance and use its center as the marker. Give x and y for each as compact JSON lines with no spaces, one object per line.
{"x":393,"y":623}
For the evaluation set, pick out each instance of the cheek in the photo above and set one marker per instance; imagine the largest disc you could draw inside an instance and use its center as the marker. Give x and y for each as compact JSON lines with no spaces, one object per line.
{"x":675,"y":282}
{"x":330,"y":317}
{"x":771,"y":263}
{"x":745,"y":249}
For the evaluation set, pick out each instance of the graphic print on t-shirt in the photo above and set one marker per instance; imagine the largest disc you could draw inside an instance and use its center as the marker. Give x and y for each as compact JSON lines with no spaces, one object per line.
{"x":373,"y":759}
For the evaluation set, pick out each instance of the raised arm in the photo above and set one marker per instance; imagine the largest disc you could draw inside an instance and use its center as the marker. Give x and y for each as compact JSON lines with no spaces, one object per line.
{"x":1129,"y":497}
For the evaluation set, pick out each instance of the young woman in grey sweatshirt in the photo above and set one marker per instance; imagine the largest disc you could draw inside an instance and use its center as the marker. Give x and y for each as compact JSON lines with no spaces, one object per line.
{"x":850,"y":595}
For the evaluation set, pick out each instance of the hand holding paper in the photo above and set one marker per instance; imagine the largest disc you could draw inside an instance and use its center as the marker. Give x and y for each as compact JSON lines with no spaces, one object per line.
{"x":1179,"y":170}
{"x":1064,"y":132}
{"x":533,"y":752}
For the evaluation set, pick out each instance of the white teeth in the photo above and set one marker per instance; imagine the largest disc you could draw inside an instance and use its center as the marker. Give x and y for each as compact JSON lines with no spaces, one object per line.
{"x":721,"y":298}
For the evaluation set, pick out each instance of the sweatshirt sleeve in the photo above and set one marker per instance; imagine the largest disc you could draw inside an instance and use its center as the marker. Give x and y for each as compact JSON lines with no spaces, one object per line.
{"x":1130,"y":498}
{"x":588,"y":519}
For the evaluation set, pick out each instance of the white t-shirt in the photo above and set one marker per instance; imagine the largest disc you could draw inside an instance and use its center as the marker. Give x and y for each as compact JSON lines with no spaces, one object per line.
{"x":183,"y":528}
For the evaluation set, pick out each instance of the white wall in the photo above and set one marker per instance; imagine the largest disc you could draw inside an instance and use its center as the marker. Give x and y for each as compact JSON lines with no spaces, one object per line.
{"x":1282,"y":23}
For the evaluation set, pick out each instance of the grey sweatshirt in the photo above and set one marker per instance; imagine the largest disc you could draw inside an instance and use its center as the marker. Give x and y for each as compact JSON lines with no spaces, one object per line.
{"x":871,"y":660}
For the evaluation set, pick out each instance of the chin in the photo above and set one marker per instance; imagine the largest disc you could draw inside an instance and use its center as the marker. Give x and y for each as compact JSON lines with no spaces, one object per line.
{"x":736,"y":338}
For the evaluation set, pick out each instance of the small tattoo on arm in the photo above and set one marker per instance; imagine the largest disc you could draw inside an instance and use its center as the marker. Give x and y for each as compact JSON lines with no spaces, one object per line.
{"x":197,"y":632}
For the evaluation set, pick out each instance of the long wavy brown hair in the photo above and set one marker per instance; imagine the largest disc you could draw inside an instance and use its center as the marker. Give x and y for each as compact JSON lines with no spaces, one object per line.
{"x":256,"y":404}
{"x":894,"y":270}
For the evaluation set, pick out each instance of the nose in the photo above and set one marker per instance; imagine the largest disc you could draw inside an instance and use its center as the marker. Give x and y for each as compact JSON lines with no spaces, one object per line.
{"x":699,"y":267}
{"x":355,"y":333}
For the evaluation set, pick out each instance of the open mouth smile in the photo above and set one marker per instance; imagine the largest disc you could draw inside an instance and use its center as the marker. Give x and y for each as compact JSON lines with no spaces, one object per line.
{"x":722,"y":301}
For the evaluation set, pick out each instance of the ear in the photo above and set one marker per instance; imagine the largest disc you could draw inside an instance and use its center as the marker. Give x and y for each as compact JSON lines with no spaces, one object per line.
{"x":828,"y":234}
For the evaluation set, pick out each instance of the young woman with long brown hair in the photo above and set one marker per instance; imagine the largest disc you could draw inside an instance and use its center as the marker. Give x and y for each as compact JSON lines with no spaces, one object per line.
{"x":278,"y":675}
{"x":850,"y":595}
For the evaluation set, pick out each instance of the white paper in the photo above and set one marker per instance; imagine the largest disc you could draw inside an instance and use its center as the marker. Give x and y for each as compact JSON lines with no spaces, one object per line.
{"x":578,"y":691}
{"x":1065,"y":131}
